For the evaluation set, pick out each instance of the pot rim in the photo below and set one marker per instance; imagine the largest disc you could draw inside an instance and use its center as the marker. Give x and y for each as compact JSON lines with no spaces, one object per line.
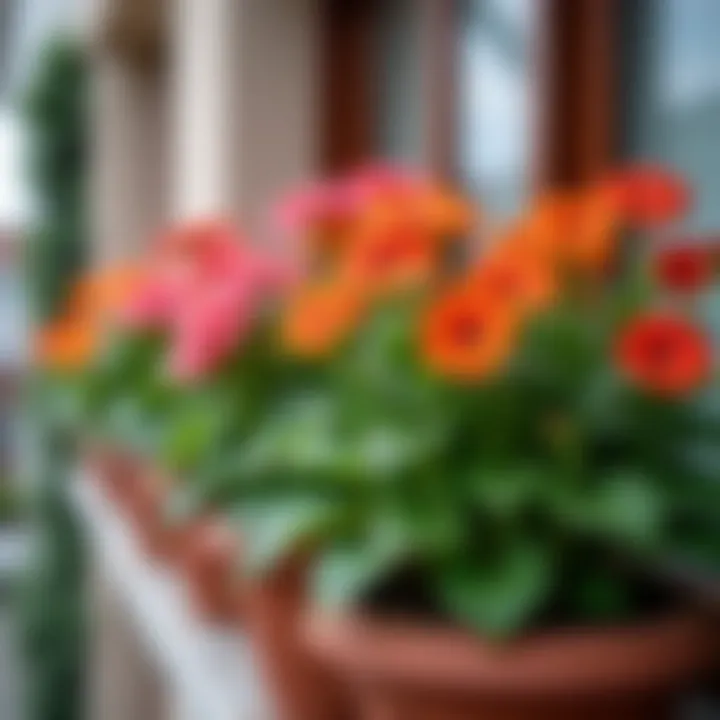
{"x":656,"y":652}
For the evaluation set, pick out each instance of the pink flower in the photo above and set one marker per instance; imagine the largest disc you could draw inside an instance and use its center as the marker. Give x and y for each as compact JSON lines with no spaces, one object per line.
{"x":315,"y":206}
{"x":208,"y":289}
{"x":324,"y":211}
{"x":382,"y":180}
{"x":207,"y":330}
{"x":153,"y":305}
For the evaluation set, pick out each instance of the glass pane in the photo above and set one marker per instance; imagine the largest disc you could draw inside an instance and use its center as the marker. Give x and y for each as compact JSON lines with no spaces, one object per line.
{"x":495,"y":86}
{"x":677,"y":75}
{"x":398,"y":81}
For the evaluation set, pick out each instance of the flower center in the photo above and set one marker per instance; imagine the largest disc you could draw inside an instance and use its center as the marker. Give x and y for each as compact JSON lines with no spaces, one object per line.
{"x":466,"y":329}
{"x":394,"y":249}
{"x":661,"y":350}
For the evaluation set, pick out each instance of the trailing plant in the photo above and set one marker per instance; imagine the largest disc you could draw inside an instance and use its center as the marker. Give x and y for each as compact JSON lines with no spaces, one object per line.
{"x":54,"y":628}
{"x":499,"y":428}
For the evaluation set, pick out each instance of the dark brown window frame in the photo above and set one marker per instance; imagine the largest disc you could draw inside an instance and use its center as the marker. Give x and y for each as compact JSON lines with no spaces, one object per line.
{"x":575,"y":135}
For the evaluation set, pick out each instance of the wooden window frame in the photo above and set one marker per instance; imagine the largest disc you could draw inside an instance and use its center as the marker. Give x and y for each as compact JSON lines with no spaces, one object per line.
{"x":575,"y":128}
{"x":577,"y":132}
{"x":346,"y":90}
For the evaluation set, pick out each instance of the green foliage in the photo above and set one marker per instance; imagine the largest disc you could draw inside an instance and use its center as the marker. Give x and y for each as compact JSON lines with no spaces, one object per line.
{"x":526,"y":496}
{"x":515,"y":499}
{"x":501,"y":595}
{"x":11,"y":504}
{"x":53,"y":611}
{"x":55,"y":112}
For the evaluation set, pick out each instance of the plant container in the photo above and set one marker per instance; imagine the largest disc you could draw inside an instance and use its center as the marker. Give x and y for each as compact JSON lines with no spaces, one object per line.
{"x":272,"y":611}
{"x":411,"y":672}
{"x":206,"y":555}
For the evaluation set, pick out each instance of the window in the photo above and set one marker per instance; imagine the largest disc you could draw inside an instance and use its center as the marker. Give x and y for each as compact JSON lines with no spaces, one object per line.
{"x":397,"y":91}
{"x":445,"y":82}
{"x":672,"y":94}
{"x":495,"y":123}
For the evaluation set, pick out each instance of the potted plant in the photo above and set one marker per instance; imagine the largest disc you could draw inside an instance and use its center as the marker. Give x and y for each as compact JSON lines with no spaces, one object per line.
{"x":456,"y":466}
{"x":159,"y":358}
{"x":499,"y":450}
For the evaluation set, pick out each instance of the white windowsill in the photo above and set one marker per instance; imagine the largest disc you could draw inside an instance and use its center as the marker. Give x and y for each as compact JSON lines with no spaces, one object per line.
{"x":210,"y":671}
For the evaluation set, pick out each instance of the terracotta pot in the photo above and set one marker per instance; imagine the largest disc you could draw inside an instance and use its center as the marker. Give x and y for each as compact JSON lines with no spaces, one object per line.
{"x":115,"y":471}
{"x":206,"y":558}
{"x":406,"y":672}
{"x":302,"y":690}
{"x":145,"y":506}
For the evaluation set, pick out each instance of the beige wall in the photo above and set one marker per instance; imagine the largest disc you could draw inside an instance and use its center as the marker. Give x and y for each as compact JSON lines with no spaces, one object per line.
{"x":277,"y":104}
{"x":128,"y":184}
{"x":244,"y":103}
{"x":228,"y":119}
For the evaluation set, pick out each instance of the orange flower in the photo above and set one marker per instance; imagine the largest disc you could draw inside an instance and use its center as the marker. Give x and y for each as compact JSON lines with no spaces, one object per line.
{"x":70,"y":341}
{"x":515,"y":279}
{"x":549,"y":225}
{"x":594,"y":236}
{"x":664,"y":354}
{"x":467,"y":336}
{"x":436,"y":210}
{"x":649,"y":195}
{"x":101,"y":294}
{"x":451,"y":214}
{"x":321,"y":317}
{"x":389,"y":253}
{"x":572,"y":230}
{"x":444,"y":213}
{"x":66,"y":344}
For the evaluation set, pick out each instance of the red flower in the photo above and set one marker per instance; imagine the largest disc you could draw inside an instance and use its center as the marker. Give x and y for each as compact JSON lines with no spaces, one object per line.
{"x":664,"y":354}
{"x":684,"y":269}
{"x":649,"y":195}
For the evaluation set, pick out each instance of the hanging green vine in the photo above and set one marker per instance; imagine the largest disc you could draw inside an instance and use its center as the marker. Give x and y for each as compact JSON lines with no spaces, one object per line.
{"x":55,"y":117}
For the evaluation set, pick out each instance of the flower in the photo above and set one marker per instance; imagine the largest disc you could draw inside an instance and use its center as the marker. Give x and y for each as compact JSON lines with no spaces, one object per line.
{"x":207,"y":329}
{"x":153,"y":305}
{"x":320,"y":317}
{"x":217,"y":310}
{"x":592,"y":246}
{"x":70,"y":341}
{"x":389,"y":253}
{"x":444,"y":213}
{"x":204,"y":285}
{"x":101,"y":293}
{"x":684,"y":269}
{"x":391,"y":190}
{"x":322,"y":212}
{"x":195,"y":238}
{"x":466,"y":336}
{"x":67,"y":344}
{"x":570,"y":230}
{"x":664,"y":354}
{"x":649,"y":195}
{"x":380,"y":181}
{"x":515,"y":279}
{"x":546,"y":229}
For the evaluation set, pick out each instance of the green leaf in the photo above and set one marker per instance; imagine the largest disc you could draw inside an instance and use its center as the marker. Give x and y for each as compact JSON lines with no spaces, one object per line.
{"x":434,"y":526}
{"x":506,"y":491}
{"x":601,"y":595}
{"x":629,"y":508}
{"x":193,"y":431}
{"x":499,"y":597}
{"x":274,"y":530}
{"x":348,"y":570}
{"x":344,"y":574}
{"x":625,"y":508}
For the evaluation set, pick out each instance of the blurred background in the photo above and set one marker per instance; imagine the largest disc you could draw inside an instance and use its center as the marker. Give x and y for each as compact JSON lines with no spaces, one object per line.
{"x":119,"y":116}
